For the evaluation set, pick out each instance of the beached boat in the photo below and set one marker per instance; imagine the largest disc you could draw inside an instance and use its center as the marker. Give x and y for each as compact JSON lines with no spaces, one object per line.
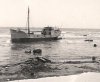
{"x":47,"y":33}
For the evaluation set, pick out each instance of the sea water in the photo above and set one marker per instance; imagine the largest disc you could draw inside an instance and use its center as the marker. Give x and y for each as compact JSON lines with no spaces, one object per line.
{"x":72,"y":45}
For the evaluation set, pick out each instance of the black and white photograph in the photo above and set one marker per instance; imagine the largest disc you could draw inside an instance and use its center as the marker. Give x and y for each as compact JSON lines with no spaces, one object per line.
{"x":49,"y":40}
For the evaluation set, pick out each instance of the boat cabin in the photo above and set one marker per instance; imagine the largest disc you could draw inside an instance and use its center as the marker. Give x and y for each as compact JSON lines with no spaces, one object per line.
{"x":47,"y":30}
{"x":50,"y":31}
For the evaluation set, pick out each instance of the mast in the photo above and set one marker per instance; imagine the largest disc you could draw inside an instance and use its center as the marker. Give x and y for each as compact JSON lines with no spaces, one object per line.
{"x":28,"y":21}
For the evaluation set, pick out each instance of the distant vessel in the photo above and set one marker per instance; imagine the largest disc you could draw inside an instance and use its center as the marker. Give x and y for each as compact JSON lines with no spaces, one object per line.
{"x":47,"y":33}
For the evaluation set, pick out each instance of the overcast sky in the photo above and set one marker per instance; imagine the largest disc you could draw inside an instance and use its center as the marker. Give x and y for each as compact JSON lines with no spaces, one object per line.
{"x":61,"y":13}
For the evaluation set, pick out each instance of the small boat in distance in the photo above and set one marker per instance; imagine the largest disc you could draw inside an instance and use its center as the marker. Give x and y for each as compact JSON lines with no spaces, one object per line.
{"x":47,"y":33}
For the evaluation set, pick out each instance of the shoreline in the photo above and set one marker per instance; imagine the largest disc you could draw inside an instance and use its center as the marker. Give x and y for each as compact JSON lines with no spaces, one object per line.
{"x":83,"y":77}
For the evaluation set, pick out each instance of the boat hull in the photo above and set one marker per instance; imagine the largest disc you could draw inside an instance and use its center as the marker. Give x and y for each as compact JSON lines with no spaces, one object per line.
{"x":22,"y":36}
{"x":34,"y":39}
